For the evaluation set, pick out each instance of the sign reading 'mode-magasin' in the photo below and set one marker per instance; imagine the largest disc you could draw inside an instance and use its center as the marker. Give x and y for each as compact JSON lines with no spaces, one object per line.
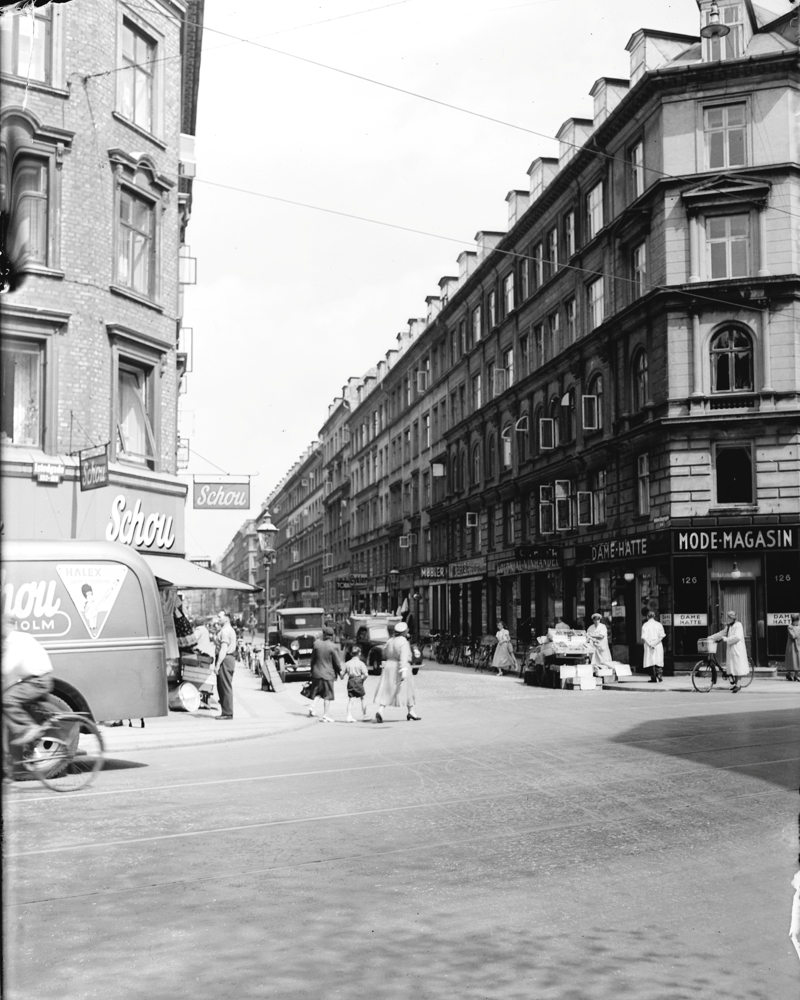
{"x":220,"y":496}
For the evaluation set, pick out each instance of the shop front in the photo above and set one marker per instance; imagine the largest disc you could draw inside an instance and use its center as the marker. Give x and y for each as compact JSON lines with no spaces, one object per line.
{"x":467,"y":592}
{"x":529,"y":594}
{"x":431,"y":591}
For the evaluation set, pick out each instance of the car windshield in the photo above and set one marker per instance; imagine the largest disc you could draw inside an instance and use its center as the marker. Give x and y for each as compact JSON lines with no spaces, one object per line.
{"x":301,"y":621}
{"x":379,"y":633}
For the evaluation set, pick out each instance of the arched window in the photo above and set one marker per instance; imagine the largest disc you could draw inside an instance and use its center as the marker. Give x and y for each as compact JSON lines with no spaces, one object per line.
{"x":505,"y":438}
{"x":522,"y":427}
{"x":555,"y":416}
{"x":641,"y":384}
{"x":731,"y":361}
{"x":476,"y":464}
{"x":491,"y":455}
{"x":596,"y":390}
{"x":568,"y":416}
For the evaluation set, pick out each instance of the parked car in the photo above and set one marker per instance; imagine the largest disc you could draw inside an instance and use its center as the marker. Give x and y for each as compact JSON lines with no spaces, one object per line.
{"x":371,"y":633}
{"x":293,"y":638}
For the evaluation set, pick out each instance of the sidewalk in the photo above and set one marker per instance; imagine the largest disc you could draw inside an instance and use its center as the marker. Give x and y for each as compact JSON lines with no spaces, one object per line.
{"x":256,"y":714}
{"x":760,"y":685}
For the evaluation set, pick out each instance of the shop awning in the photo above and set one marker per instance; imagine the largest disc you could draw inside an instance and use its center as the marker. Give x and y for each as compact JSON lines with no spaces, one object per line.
{"x":186,"y":575}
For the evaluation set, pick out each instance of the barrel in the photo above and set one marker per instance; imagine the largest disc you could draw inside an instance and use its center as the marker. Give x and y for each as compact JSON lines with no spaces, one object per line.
{"x":184,"y":698}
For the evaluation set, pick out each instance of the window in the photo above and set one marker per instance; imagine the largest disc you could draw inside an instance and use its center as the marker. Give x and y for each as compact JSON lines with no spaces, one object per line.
{"x":477,"y":400}
{"x":593,"y":405}
{"x":552,"y":251}
{"x":490,"y":380}
{"x":407,"y":444}
{"x":728,"y":241}
{"x":491,"y":305}
{"x":538,"y":344}
{"x":426,"y":431}
{"x":26,"y":44}
{"x":554,"y":334}
{"x":569,"y":234}
{"x":524,"y":355}
{"x":731,"y":361}
{"x":571,"y":316}
{"x":636,"y":161}
{"x":135,"y":436}
{"x":136,"y":244}
{"x":505,"y":438}
{"x":596,"y":302}
{"x":136,"y":77}
{"x":508,"y":293}
{"x":476,"y":464}
{"x":546,"y":510}
{"x":426,"y":489}
{"x":29,"y":210}
{"x":490,"y":528}
{"x":476,"y":324}
{"x":547,"y":433}
{"x":724,"y":128}
{"x":568,"y":416}
{"x":415,"y":438}
{"x":521,"y":427}
{"x":538,"y":265}
{"x":729,"y":46}
{"x":563,"y":499}
{"x":594,"y":211}
{"x":491,"y":455}
{"x":462,"y":337}
{"x":525,"y":279}
{"x":641,"y":384}
{"x":22,"y":400}
{"x":734,"y":474}
{"x":643,"y":483}
{"x":453,"y":348}
{"x":508,"y":364}
{"x":639,"y":269}
{"x":508,"y":523}
{"x":598,"y":484}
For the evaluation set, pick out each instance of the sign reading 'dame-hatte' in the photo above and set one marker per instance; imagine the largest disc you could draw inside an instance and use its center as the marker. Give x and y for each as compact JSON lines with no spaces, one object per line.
{"x":220,"y":496}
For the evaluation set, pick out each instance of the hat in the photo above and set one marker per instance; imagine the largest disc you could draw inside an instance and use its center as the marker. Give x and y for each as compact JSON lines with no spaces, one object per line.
{"x":400,"y":627}
{"x":731,"y":614}
{"x":327,"y":632}
{"x":596,"y":616}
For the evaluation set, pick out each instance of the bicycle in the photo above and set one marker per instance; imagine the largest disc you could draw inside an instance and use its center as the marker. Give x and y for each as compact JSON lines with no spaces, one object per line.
{"x":705,"y":672}
{"x":66,"y":755}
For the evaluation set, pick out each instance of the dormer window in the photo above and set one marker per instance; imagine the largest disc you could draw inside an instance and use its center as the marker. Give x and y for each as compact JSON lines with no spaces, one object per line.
{"x":725,"y":136}
{"x":728,"y":46}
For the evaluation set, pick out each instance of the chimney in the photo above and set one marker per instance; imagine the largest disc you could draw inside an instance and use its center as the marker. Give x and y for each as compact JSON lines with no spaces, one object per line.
{"x":541,"y":172}
{"x":607,"y":93}
{"x":467,"y":260}
{"x":518,"y":202}
{"x":487,"y":240}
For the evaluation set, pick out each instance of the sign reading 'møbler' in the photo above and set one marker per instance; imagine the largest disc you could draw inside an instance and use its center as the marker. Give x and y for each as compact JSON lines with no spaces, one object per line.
{"x":220,"y":496}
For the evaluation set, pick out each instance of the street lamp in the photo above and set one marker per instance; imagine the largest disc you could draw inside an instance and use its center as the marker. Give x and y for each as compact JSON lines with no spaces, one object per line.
{"x":715,"y":28}
{"x":266,"y":532}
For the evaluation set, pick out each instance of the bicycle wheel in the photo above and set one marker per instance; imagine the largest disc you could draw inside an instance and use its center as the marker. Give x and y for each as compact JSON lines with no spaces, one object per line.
{"x":703,"y":676}
{"x":68,"y":754}
{"x":747,"y":679}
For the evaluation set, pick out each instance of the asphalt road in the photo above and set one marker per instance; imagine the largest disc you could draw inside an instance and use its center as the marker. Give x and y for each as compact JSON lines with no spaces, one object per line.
{"x":516,"y":843}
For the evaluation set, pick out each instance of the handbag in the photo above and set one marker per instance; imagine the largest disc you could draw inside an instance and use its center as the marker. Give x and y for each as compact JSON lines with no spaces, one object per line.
{"x":307,"y":690}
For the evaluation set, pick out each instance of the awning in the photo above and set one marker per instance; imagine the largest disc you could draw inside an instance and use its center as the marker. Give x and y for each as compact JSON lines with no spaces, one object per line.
{"x":186,"y":575}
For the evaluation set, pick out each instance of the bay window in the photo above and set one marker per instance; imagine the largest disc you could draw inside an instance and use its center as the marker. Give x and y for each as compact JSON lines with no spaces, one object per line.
{"x":724,"y":128}
{"x":728,"y":245}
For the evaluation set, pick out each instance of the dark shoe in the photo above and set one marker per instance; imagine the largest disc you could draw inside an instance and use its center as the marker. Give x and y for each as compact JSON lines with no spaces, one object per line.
{"x":223,"y":718}
{"x":412,"y":717}
{"x":378,"y":717}
{"x":653,"y":680}
{"x":735,"y":689}
{"x":660,"y":680}
{"x":31,"y":734}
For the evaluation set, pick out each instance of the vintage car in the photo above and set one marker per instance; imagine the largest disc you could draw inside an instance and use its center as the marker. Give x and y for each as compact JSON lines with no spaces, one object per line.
{"x":371,"y":633}
{"x":293,"y":638}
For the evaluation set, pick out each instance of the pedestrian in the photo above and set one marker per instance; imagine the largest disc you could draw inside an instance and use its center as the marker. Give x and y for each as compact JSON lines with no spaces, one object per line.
{"x":326,"y":666}
{"x":27,"y":678}
{"x":225,"y":665}
{"x":597,"y":634}
{"x":503,"y":651}
{"x":396,"y":686}
{"x":562,"y":626}
{"x":356,"y":671}
{"x":793,"y":650}
{"x":736,"y":663}
{"x":653,"y":635}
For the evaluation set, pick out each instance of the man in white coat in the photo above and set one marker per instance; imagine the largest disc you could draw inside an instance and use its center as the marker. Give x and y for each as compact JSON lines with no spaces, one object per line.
{"x":736,"y":663}
{"x":652,"y":638}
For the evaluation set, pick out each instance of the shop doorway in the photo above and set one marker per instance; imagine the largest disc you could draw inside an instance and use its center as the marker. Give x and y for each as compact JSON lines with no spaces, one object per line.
{"x":477,"y":609}
{"x":507,"y":602}
{"x":738,"y":597}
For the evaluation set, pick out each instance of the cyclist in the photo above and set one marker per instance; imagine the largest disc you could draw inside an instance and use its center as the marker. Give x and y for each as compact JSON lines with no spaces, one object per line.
{"x":737,"y":664}
{"x":27,"y":678}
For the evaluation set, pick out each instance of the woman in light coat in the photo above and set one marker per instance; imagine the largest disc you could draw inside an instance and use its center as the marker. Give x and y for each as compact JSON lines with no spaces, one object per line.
{"x":504,"y":651}
{"x":598,"y":636}
{"x":793,"y":650}
{"x":736,"y":662}
{"x":396,"y":686}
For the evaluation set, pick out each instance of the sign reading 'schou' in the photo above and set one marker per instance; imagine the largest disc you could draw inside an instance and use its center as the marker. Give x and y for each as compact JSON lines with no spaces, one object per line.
{"x":221,"y":496}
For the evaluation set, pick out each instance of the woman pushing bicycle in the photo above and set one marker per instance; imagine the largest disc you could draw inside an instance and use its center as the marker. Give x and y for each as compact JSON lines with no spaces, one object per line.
{"x":736,"y":662}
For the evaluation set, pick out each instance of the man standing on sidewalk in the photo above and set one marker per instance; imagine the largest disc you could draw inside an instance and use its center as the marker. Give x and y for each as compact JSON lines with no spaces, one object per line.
{"x":652,"y":638}
{"x":225,"y":665}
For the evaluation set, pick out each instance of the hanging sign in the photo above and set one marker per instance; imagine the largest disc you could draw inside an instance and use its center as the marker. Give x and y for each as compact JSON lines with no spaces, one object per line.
{"x":220,"y":495}
{"x":94,"y":468}
{"x":48,"y":472}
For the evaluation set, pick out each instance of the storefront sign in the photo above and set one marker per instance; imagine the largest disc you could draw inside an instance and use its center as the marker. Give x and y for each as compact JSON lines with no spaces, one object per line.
{"x":467,"y":567}
{"x":747,"y":540}
{"x":220,"y":496}
{"x":537,"y":552}
{"x":666,"y":620}
{"x":353,"y":580}
{"x":778,"y":618}
{"x":618,"y":611}
{"x":132,"y":527}
{"x":624,"y":548}
{"x":94,"y":468}
{"x":48,"y":472}
{"x":683,"y":620}
{"x":511,"y":567}
{"x":202,"y":563}
{"x":433,"y":572}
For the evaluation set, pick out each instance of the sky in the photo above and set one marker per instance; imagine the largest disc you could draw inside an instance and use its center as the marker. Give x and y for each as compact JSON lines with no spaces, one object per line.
{"x":291,"y":301}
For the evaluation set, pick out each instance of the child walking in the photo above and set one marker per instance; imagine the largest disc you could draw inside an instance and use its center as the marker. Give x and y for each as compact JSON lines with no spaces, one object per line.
{"x":356,"y":671}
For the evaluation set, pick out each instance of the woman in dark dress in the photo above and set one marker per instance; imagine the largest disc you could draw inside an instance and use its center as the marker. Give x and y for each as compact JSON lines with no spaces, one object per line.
{"x":326,"y":666}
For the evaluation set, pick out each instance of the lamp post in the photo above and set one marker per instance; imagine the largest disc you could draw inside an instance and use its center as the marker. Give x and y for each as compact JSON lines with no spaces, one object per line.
{"x":266,"y":531}
{"x":394,"y":574}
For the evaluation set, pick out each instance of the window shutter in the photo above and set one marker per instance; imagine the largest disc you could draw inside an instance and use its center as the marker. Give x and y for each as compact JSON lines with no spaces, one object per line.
{"x":545,"y":494}
{"x":547,"y":433}
{"x":422,"y":381}
{"x":403,"y":541}
{"x":295,"y":584}
{"x":306,"y":582}
{"x":472,"y":519}
{"x":589,"y":406}
{"x":584,"y":507}
{"x":295,"y":555}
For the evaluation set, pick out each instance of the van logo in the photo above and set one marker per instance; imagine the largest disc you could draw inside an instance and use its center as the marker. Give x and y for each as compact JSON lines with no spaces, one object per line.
{"x":35,"y":606}
{"x":93,"y":589}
